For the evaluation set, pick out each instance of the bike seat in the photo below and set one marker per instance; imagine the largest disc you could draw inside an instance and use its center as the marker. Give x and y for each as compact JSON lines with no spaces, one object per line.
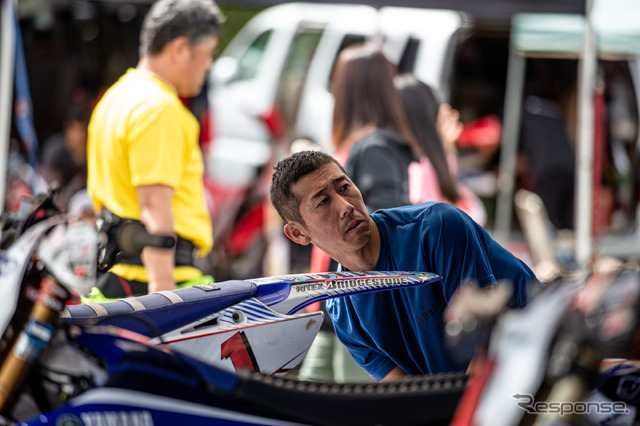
{"x":160,"y":312}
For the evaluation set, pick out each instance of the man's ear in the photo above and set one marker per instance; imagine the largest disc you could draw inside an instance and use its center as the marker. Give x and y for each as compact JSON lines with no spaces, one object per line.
{"x":296,"y":233}
{"x":179,"y":47}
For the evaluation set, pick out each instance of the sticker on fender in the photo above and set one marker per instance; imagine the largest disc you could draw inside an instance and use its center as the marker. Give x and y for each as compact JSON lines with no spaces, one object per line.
{"x":351,"y":283}
{"x":123,"y":418}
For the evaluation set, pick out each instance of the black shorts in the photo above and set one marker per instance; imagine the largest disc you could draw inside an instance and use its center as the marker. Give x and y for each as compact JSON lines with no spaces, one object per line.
{"x":113,"y":286}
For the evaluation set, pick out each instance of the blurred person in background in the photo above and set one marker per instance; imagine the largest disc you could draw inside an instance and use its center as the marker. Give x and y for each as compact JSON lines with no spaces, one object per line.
{"x":144,"y":159}
{"x":544,"y":130}
{"x":64,"y":154}
{"x":436,"y":126}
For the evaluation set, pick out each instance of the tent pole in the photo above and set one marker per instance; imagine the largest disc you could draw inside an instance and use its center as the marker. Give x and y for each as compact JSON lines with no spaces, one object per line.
{"x":585,"y":145}
{"x":7,"y":39}
{"x":509,"y":147}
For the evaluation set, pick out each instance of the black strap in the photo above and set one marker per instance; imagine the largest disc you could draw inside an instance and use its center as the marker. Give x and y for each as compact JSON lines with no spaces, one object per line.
{"x":109,"y":222}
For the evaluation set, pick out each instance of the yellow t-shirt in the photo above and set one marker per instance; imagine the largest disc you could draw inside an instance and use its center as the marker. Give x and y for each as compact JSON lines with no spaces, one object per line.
{"x":140,"y":133}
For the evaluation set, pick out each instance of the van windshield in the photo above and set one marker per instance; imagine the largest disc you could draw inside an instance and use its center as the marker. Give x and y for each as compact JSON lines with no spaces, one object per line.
{"x":249,"y":62}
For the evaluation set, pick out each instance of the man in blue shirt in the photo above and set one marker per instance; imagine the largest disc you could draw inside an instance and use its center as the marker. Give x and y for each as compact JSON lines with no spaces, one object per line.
{"x":400,"y":332}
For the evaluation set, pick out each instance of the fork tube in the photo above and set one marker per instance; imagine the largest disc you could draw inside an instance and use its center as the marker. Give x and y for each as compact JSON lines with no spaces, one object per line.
{"x":33,"y":339}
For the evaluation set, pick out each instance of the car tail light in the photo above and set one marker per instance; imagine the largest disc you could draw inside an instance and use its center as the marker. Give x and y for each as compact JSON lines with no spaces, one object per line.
{"x":274,"y":121}
{"x":206,"y":129}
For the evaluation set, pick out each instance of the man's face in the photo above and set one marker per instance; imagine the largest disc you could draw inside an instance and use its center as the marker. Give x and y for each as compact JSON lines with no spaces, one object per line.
{"x":336,"y":219}
{"x":196,"y":66}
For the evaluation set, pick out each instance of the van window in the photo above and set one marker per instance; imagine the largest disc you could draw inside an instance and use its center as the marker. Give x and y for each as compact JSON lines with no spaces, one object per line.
{"x":347,"y":41}
{"x":249,"y":62}
{"x":408,"y":59}
{"x":294,"y":73}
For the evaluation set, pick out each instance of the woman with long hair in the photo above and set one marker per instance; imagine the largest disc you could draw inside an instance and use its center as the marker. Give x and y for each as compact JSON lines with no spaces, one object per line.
{"x":370,"y":131}
{"x":436,"y":127}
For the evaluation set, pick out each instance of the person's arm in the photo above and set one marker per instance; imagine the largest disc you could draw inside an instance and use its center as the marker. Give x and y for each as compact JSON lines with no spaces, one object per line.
{"x":396,"y":374}
{"x":449,"y":127}
{"x":157,"y":216}
{"x":349,"y":330}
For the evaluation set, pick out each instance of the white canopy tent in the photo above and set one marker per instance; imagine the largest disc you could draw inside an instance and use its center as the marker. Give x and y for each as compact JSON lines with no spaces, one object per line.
{"x":609,"y":29}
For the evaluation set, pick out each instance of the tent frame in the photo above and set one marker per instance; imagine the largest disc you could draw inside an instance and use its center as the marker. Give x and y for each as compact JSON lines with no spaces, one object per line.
{"x":585,"y":142}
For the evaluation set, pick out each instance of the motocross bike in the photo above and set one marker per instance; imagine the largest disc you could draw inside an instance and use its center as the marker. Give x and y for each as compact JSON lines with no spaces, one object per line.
{"x":567,"y":358}
{"x":253,"y":324}
{"x":55,"y":371}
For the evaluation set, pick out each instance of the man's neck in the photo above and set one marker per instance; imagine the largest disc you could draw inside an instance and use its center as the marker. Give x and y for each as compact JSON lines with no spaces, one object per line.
{"x":366,"y":258}
{"x":154,"y":65}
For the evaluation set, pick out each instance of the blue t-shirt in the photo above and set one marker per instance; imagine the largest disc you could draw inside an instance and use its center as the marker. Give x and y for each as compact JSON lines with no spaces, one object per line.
{"x":404,"y":327}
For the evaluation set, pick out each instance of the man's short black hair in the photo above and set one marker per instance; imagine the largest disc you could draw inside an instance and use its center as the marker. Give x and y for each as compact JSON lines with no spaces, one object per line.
{"x":289,"y":171}
{"x":170,"y":19}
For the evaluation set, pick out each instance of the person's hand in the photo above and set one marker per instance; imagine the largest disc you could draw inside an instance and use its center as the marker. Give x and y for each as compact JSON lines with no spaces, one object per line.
{"x":159,"y":264}
{"x":449,"y":126}
{"x":157,"y":216}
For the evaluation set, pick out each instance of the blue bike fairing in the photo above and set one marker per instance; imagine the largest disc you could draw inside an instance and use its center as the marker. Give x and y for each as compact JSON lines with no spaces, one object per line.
{"x":121,"y":354}
{"x":274,"y":292}
{"x":159,"y":313}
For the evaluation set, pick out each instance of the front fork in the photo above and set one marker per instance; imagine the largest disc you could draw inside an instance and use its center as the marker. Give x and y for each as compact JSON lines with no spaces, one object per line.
{"x":47,"y":303}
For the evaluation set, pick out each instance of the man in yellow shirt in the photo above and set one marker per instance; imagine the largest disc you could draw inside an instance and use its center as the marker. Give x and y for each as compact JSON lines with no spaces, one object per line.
{"x":143,"y":158}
